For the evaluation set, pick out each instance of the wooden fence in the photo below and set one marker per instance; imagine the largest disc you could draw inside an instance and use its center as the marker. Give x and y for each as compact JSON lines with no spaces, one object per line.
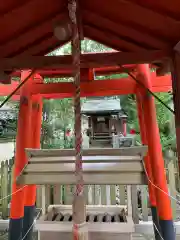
{"x":109,"y":195}
{"x":5,"y":187}
{"x":95,"y":194}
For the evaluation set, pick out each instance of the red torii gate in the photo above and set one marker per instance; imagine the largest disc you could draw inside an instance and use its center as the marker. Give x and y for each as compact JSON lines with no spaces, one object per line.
{"x":31,"y":95}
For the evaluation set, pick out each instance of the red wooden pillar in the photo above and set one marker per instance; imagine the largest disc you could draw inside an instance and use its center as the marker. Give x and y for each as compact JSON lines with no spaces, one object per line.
{"x":91,"y":74}
{"x":152,"y":197}
{"x":175,"y":72}
{"x":23,"y":140}
{"x":30,"y":192}
{"x":155,"y":156}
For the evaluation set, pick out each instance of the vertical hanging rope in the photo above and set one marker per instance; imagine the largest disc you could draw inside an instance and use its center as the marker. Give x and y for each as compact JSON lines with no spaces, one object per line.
{"x":77,"y":105}
{"x":79,"y":210}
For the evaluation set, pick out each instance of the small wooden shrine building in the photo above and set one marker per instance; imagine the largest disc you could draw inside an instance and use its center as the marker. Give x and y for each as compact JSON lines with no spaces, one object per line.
{"x":104,"y":119}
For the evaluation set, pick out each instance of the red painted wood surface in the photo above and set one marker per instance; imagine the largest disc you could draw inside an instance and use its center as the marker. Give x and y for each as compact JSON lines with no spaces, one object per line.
{"x":28,"y":25}
{"x":92,"y":88}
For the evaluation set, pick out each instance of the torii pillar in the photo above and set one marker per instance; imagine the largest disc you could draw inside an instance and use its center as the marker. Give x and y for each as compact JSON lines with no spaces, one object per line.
{"x":30,"y":191}
{"x":23,"y":140}
{"x":152,"y":196}
{"x":155,"y":155}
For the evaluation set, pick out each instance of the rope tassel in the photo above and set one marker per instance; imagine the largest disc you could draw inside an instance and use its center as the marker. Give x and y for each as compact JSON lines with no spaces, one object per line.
{"x":79,"y":207}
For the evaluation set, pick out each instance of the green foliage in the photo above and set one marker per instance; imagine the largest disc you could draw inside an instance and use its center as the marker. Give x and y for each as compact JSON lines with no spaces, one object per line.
{"x":128,"y":104}
{"x":57,"y":118}
{"x":164,"y":119}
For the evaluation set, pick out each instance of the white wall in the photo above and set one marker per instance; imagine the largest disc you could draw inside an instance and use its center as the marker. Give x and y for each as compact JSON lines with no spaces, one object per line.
{"x":6,"y":151}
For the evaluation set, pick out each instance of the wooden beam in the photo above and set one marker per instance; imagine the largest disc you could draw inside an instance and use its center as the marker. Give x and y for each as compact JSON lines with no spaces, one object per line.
{"x":124,"y":85}
{"x":68,"y":72}
{"x":119,"y":58}
{"x":100,"y":71}
{"x":87,"y":60}
{"x":5,"y":90}
{"x":111,"y":87}
{"x":95,"y":155}
{"x":103,"y":87}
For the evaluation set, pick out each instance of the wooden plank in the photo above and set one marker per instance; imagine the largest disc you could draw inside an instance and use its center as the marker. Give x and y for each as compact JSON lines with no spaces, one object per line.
{"x":50,"y":178}
{"x":97,"y":195}
{"x":57,"y":194}
{"x":87,"y":167}
{"x":91,"y":60}
{"x":99,"y":231}
{"x":5,"y":190}
{"x":43,"y":204}
{"x":134,"y":200}
{"x":39,"y":197}
{"x":122,"y":194}
{"x":113,"y":194}
{"x":172,"y":188}
{"x":108,"y":194}
{"x":130,"y":151}
{"x":86,"y":159}
{"x":92,"y":209}
{"x":2,"y":185}
{"x":86,"y":193}
{"x":10,"y":178}
{"x":103,"y":195}
{"x":144,"y":202}
{"x":129,"y":201}
{"x":47,"y":196}
{"x":68,"y":194}
{"x":91,"y":195}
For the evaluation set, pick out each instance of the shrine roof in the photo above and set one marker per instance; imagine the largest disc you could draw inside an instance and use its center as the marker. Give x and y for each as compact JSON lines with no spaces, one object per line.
{"x":125,"y":25}
{"x":101,"y":106}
